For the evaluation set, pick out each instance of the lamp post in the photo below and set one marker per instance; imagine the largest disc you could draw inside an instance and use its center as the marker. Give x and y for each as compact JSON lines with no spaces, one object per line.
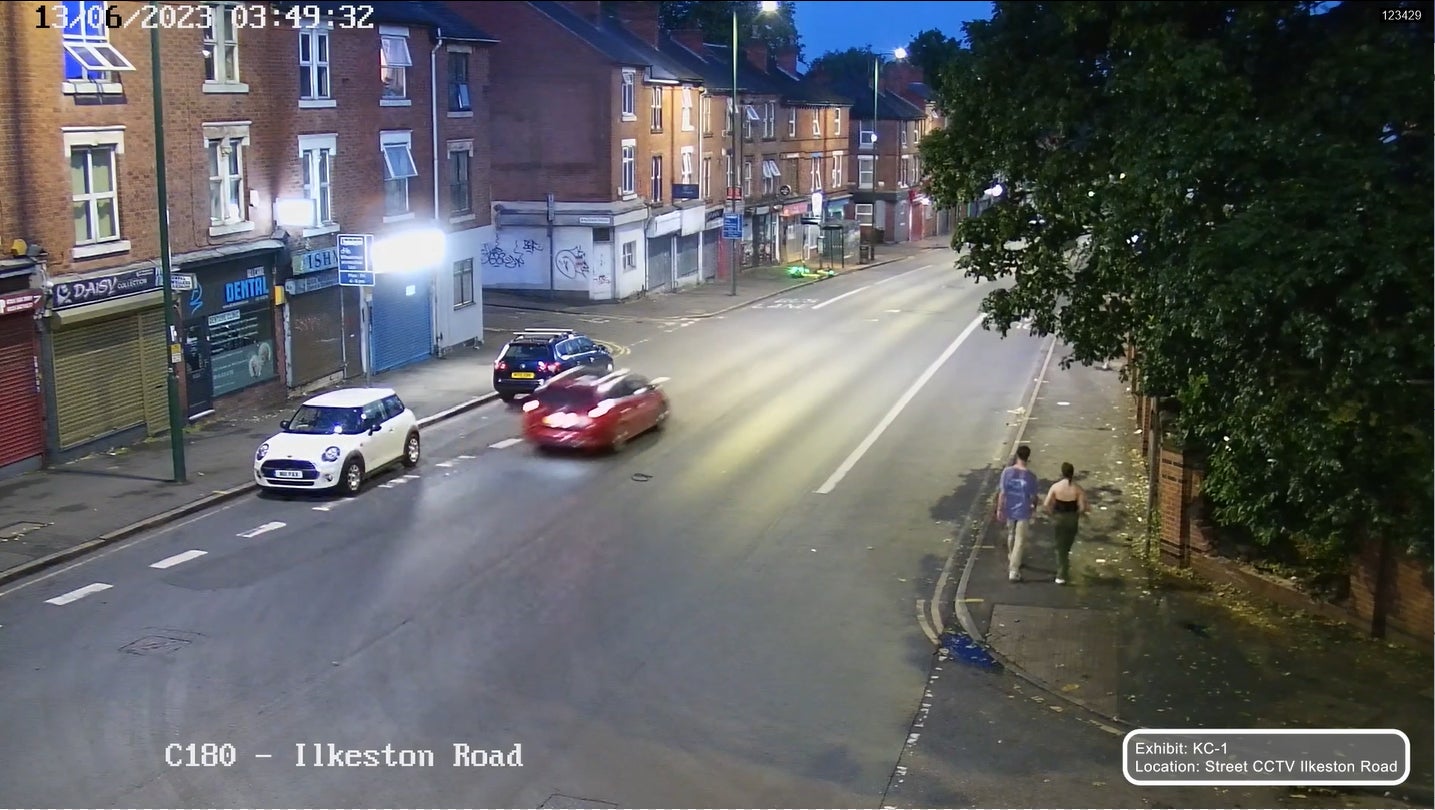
{"x":171,"y":329}
{"x":900,"y":54}
{"x":735,"y":181}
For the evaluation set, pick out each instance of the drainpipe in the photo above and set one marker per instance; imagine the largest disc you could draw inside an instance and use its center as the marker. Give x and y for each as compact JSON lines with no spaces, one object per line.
{"x":433,"y":113}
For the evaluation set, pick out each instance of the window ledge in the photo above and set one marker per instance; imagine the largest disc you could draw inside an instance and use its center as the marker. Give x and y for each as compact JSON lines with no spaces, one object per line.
{"x":225,"y":87}
{"x":396,"y":102}
{"x":92,"y":88}
{"x":689,"y":128}
{"x":318,"y":103}
{"x":460,"y":113}
{"x":465,"y":305}
{"x":630,"y":116}
{"x":470,"y":217}
{"x":230,"y":228}
{"x":100,"y":249}
{"x":399,"y":218}
{"x":319,"y":231}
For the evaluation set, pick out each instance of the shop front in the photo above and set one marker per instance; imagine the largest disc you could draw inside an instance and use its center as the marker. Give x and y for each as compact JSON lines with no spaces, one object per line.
{"x":22,"y":431}
{"x":105,"y":339}
{"x":317,"y":343}
{"x":689,"y":246}
{"x":919,"y":213}
{"x":401,"y":318}
{"x":660,"y":232}
{"x":712,"y":249}
{"x":228,"y":332}
{"x":793,"y":231}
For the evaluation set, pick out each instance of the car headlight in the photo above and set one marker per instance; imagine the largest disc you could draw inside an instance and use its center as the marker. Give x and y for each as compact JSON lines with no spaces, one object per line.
{"x":261,"y":452}
{"x":331,"y":454}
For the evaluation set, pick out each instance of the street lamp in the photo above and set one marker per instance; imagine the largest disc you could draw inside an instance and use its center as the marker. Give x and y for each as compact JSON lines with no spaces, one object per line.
{"x":734,"y":182}
{"x":171,"y":330}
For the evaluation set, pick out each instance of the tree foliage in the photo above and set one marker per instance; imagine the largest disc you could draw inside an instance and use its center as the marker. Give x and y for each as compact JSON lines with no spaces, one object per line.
{"x":930,"y":51}
{"x":1241,"y":190}
{"x":851,"y":65}
{"x":714,"y":19}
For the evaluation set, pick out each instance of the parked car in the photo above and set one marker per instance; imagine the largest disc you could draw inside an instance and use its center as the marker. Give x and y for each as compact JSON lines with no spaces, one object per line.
{"x":337,"y":440}
{"x":535,"y":355}
{"x":585,"y":410}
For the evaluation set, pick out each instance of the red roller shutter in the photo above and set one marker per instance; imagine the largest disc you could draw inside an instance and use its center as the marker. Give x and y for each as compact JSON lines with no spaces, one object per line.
{"x":22,"y":431}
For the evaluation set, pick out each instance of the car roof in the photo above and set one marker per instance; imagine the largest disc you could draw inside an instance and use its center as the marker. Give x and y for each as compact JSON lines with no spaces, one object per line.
{"x":583,"y":378}
{"x":544,"y":335}
{"x":349,"y":397}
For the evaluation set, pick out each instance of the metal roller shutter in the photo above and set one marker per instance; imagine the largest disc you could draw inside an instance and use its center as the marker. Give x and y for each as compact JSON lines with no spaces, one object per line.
{"x":99,"y":371}
{"x":316,"y":334}
{"x":402,"y":323}
{"x":687,"y":262}
{"x":22,"y":434}
{"x":711,"y":239}
{"x":660,"y":263}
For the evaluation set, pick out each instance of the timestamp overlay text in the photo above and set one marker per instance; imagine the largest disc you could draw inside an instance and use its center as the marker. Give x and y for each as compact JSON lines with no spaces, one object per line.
{"x":1230,"y":757}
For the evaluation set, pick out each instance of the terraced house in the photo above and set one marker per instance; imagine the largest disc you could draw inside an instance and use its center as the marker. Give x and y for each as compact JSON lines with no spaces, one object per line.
{"x":278,"y":137}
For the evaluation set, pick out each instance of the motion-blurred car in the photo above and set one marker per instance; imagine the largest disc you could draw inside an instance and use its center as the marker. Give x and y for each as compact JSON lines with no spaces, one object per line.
{"x":337,"y":440}
{"x":535,"y":355}
{"x":585,"y":410}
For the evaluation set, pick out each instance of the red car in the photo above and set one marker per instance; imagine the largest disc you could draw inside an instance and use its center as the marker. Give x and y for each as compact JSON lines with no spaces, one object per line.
{"x":584,"y":410}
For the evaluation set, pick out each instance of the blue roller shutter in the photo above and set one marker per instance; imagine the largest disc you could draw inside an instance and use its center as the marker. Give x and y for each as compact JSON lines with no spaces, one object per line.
{"x":401,"y":326}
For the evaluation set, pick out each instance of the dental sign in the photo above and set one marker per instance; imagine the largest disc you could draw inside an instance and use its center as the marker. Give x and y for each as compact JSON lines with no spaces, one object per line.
{"x":236,"y":292}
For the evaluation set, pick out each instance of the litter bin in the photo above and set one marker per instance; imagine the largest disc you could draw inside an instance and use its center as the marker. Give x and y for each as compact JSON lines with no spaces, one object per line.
{"x":864,"y":252}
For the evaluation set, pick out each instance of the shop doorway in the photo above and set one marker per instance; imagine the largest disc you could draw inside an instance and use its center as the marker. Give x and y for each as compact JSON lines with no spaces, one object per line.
{"x":199,"y":381}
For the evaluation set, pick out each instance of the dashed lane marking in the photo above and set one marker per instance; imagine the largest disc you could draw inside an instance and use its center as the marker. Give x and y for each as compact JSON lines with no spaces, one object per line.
{"x":324,"y":507}
{"x":503,"y":444}
{"x":840,"y":297}
{"x":79,"y":593}
{"x":182,"y":557}
{"x":264,"y":529}
{"x":445,"y":464}
{"x":468,"y":458}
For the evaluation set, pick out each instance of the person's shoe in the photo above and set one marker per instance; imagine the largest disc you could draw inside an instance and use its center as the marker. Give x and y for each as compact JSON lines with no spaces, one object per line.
{"x":1060,"y":581}
{"x":1014,"y":576}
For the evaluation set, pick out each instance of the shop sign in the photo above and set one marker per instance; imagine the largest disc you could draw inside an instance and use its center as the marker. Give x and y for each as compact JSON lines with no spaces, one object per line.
{"x":24,"y":301}
{"x":314,"y":283}
{"x":241,"y":287}
{"x":237,"y":292}
{"x":795,"y":209}
{"x":103,"y":288}
{"x":316,"y":261}
{"x":714,"y":216}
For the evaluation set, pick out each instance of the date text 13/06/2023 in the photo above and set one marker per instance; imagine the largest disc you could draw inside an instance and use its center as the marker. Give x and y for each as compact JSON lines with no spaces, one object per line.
{"x":80,"y":19}
{"x":330,"y":755}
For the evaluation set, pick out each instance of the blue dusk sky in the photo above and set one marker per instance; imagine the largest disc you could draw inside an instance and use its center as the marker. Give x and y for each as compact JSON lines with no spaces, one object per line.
{"x":835,"y":26}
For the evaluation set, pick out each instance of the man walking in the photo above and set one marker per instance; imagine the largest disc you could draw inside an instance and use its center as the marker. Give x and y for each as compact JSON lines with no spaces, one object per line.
{"x":1016,"y":502}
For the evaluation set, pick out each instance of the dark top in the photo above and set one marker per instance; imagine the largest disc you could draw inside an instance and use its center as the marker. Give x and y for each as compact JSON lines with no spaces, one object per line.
{"x":1060,"y":507}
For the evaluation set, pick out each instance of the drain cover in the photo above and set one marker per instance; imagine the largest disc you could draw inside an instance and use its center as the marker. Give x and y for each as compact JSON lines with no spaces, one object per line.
{"x":558,"y":801}
{"x":155,"y":645}
{"x":17,"y":530}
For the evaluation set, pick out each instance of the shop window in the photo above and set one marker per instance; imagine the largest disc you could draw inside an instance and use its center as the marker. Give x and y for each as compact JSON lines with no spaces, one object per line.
{"x":241,"y":346}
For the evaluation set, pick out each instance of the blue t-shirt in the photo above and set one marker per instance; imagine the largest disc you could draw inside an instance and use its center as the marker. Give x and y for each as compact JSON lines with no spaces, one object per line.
{"x":1019,"y":489}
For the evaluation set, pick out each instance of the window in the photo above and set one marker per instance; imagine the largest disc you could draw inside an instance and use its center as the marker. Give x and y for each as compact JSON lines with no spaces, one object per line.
{"x":687,"y":166}
{"x":707,"y":177}
{"x":816,"y":123}
{"x":656,"y":110}
{"x":902,"y":136}
{"x":314,"y":84}
{"x":399,"y":168}
{"x":837,"y":122}
{"x":630,"y":256}
{"x":747,"y":179}
{"x":707,"y":115}
{"x":867,"y":136}
{"x":460,"y":178}
{"x":904,"y":170}
{"x":228,"y":198}
{"x":769,"y":120}
{"x":687,"y":109}
{"x":866,"y":170}
{"x":394,"y":64}
{"x":94,"y":194}
{"x":864,"y":214}
{"x":838,"y":158}
{"x":221,"y":46}
{"x":89,"y":57}
{"x":628,"y":183}
{"x":316,"y":158}
{"x":462,"y":283}
{"x":727,"y":122}
{"x":657,"y":195}
{"x":630,"y":98}
{"x":747,"y":120}
{"x":459,"y":98}
{"x":770,"y":175}
{"x":816,"y":178}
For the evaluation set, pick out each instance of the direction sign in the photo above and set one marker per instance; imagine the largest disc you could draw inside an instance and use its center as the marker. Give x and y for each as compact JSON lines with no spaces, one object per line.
{"x":181,"y":282}
{"x":354,"y":254}
{"x":356,"y":278}
{"x":732,"y":226}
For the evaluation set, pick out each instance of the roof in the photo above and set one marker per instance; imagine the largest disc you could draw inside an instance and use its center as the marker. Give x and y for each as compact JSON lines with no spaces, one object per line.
{"x":749,"y":79}
{"x":920,"y":90}
{"x":798,"y":90}
{"x":890,"y":106}
{"x":435,"y":15}
{"x":349,"y":397}
{"x":614,"y":41}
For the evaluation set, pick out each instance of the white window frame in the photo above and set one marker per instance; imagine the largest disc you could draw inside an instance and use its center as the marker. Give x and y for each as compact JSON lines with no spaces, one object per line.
{"x":628,"y":93}
{"x":865,"y":214}
{"x":866,"y":171}
{"x":655,"y":109}
{"x":706,"y":115}
{"x":904,"y":168}
{"x":655,"y":183}
{"x":317,"y":91}
{"x":902,"y":135}
{"x":229,"y":137}
{"x":817,"y":123}
{"x":706,"y":178}
{"x":728,"y":173}
{"x":89,"y":46}
{"x":867,"y":135}
{"x":464,"y":295}
{"x":465,"y":88}
{"x":455,"y":214}
{"x":222,"y":37}
{"x":746,"y":179}
{"x":769,"y":120}
{"x":688,"y":109}
{"x":628,"y":168}
{"x":629,"y":254}
{"x":395,"y":60}
{"x":838,"y":158}
{"x":792,"y":123}
{"x":312,"y":150}
{"x":750,"y":115}
{"x":686,"y":158}
{"x":816,"y":172}
{"x":393,"y":173}
{"x":770,"y":175}
{"x":836,"y":122}
{"x":113,"y":139}
{"x":727,"y":119}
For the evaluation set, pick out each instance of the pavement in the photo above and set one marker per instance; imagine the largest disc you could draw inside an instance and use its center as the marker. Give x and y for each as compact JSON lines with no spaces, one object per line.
{"x":1129,"y":644}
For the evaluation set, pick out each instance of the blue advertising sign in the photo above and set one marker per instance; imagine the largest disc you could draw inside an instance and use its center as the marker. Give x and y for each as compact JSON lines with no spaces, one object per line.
{"x":732,"y":226}
{"x":354,"y":260}
{"x":356,"y":278}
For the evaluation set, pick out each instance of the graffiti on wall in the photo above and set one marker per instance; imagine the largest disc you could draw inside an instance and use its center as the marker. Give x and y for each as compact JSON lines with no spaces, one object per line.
{"x":572,"y":263}
{"x":495,"y":254}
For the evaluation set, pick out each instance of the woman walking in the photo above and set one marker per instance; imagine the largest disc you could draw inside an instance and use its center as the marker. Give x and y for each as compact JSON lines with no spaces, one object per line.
{"x":1066,"y":503}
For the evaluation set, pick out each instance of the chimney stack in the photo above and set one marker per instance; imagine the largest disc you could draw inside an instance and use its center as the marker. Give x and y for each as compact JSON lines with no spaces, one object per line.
{"x":757,"y":55}
{"x":898,"y":78}
{"x":692,"y":39}
{"x":640,"y":18}
{"x":787,"y":60}
{"x":590,"y":10}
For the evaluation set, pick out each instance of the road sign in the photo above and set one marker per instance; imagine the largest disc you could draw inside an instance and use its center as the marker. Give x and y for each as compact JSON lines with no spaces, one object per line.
{"x":181,"y":282}
{"x":734,"y":192}
{"x":356,"y":278}
{"x":732,"y":226}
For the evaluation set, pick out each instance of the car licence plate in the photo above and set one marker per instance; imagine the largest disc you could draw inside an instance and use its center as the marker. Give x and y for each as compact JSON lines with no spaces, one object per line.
{"x":288,"y":474}
{"x":522,"y":375}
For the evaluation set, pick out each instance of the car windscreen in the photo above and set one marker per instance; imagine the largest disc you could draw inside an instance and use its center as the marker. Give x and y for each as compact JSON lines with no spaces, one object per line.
{"x":527,"y":352}
{"x":567,"y":397}
{"x":315,"y":421}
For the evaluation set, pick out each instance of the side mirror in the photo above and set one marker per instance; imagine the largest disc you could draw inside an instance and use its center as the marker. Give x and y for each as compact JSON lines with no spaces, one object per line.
{"x":284,"y":425}
{"x":374,"y":428}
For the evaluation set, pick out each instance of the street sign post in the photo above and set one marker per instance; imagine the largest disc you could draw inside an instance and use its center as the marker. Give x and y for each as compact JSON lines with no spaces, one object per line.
{"x":355,"y":253}
{"x":732,"y":226}
{"x":181,"y":282}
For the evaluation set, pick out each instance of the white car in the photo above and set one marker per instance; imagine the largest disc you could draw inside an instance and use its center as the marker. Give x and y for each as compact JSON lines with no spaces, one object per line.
{"x":337,"y":440}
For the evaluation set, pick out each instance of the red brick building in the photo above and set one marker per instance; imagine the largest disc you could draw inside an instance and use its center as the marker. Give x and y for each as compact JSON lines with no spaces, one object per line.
{"x":263,"y":172}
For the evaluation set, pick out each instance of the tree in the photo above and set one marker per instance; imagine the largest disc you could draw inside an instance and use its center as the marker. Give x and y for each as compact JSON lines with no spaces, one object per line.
{"x":714,"y":19}
{"x":1242,"y":192}
{"x":933,"y":52}
{"x":852,"y":66}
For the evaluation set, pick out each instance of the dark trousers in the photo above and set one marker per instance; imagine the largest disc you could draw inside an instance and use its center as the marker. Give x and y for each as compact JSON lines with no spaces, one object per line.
{"x":1065,"y":527}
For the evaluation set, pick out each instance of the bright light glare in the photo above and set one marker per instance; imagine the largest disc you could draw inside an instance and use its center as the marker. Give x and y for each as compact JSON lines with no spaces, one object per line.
{"x":996,"y":190}
{"x":530,"y":405}
{"x":769,"y":6}
{"x":900,"y":53}
{"x":295,"y":213}
{"x":409,"y":250}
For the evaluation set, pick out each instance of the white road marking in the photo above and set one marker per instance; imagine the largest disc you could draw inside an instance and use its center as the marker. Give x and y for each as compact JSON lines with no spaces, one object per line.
{"x":660,"y":380}
{"x":183,"y":557}
{"x":445,"y":464}
{"x":324,"y":508}
{"x":925,"y":624}
{"x":408,"y":478}
{"x":840,"y":297}
{"x":468,"y":458}
{"x":265,"y":529}
{"x":901,"y":404}
{"x":78,"y":593}
{"x":903,"y":273}
{"x":502,"y":444}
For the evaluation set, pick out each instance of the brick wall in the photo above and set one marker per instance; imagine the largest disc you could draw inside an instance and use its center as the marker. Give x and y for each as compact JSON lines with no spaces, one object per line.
{"x":1407,"y":607}
{"x":1173,"y":493}
{"x":471,"y":125}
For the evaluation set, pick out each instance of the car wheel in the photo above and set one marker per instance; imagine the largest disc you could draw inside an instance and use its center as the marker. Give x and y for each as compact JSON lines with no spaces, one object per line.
{"x":506,"y":397}
{"x":351,"y":479}
{"x":662,"y":419}
{"x":620,"y":440}
{"x":411,"y":451}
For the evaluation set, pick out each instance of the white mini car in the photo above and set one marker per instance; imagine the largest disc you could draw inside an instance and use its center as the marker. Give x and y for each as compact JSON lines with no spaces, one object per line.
{"x":337,"y":440}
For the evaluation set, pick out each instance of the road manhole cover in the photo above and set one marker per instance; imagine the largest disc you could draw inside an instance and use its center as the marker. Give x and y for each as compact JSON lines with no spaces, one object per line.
{"x":558,"y":801}
{"x":155,"y":645}
{"x":17,"y":530}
